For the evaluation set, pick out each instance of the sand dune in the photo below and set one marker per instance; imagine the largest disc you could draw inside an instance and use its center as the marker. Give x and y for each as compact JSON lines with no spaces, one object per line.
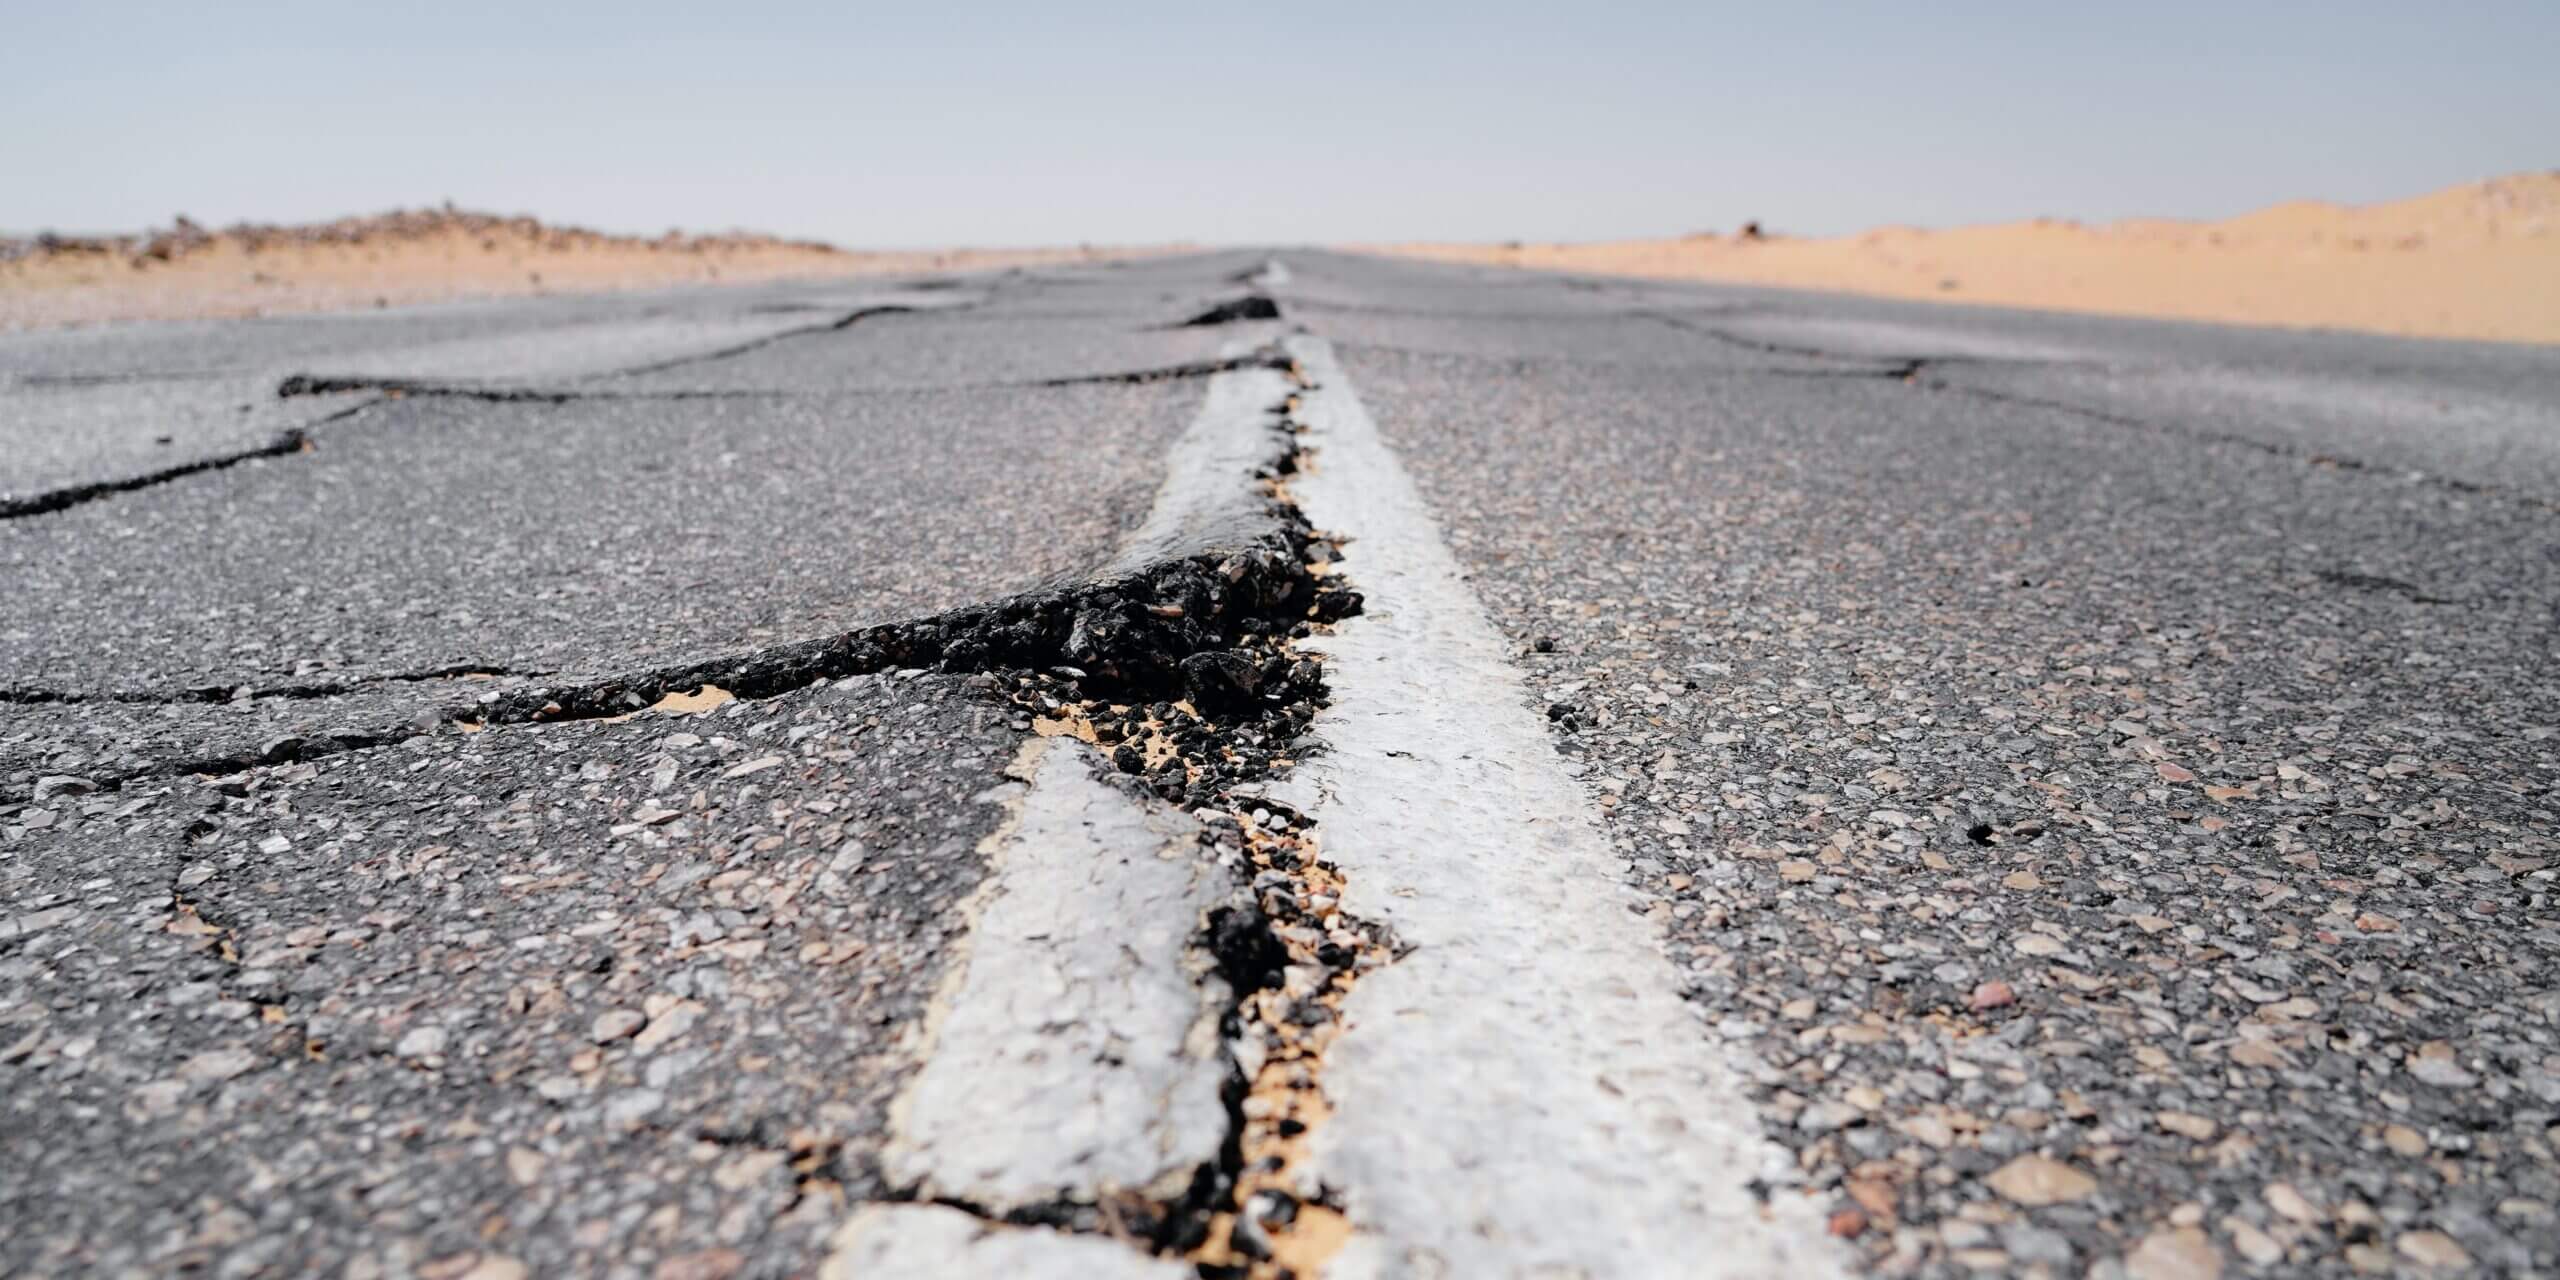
{"x":2480,"y":260}
{"x":408,"y":256}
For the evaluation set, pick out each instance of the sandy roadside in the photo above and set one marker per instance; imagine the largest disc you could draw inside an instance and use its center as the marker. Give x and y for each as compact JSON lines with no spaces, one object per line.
{"x":399,"y":258}
{"x":2480,"y":260}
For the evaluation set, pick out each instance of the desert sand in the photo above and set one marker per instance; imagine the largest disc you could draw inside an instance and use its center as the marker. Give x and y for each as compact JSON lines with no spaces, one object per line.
{"x":430,"y":255}
{"x":2480,"y":260}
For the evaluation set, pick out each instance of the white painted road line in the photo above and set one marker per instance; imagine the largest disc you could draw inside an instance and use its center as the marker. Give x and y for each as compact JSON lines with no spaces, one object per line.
{"x":1524,"y":1093}
{"x":930,"y":1242}
{"x":1073,"y":1050}
{"x":1208,"y":483}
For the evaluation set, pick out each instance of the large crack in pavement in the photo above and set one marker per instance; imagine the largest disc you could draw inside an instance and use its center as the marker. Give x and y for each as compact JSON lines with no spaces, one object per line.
{"x":1177,"y":623}
{"x":1180,"y":670}
{"x":1251,"y":306}
{"x":1205,"y":731}
{"x":1186,"y":669}
{"x":213,"y":694}
{"x":1177,"y":615}
{"x":1287,"y":951}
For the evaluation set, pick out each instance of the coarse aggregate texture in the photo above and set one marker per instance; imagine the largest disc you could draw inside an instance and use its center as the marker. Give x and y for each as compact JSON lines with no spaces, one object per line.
{"x":2123,"y":848}
{"x":595,"y":998}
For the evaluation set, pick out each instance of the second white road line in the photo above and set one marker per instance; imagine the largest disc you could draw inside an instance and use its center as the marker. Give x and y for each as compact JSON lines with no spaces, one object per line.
{"x":930,"y":1242}
{"x":1523,"y":1092}
{"x":1073,"y":1050}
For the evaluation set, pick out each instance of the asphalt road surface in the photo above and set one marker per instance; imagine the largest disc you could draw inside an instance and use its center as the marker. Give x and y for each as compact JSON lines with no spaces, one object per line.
{"x":1444,"y":772}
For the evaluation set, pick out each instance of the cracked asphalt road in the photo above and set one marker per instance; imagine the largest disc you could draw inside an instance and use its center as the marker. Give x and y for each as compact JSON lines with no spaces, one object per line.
{"x":2096,"y":774}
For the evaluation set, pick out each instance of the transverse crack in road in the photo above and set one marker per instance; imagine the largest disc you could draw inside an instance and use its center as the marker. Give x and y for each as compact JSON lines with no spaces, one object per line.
{"x":1194,"y":369}
{"x":1132,"y":631}
{"x":1878,"y":366}
{"x":846,"y":321}
{"x":2271,"y":448}
{"x":289,"y":441}
{"x":383,"y":389}
{"x":1183,"y":671}
{"x":1910,"y":370}
{"x":210,"y":694}
{"x":1288,"y":953}
{"x":306,"y":384}
{"x":302,"y":384}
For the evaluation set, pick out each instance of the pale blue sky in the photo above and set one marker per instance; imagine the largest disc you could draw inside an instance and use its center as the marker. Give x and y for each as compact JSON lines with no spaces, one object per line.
{"x":1027,"y":123}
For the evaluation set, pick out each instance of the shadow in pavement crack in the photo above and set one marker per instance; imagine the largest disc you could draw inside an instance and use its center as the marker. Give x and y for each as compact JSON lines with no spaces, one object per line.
{"x":290,"y":441}
{"x":1252,"y":306}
